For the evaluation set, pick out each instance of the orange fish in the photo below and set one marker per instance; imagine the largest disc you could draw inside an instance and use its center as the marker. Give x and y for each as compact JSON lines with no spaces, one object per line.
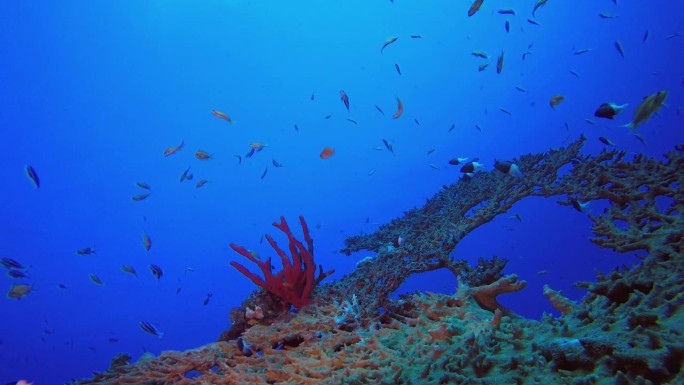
{"x":327,"y":152}
{"x":202,"y":155}
{"x":221,"y":115}
{"x":388,"y":42}
{"x":201,"y":183}
{"x":173,"y":149}
{"x":257,"y":145}
{"x":400,"y":109}
{"x":475,"y":7}
{"x":147,"y":242}
{"x":345,"y":99}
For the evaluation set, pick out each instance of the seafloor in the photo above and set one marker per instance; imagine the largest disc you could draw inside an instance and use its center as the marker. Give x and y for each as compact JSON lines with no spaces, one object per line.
{"x":626,"y":330}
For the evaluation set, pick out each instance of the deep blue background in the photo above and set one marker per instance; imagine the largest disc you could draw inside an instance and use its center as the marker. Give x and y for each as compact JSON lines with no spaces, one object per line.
{"x":91,"y":93}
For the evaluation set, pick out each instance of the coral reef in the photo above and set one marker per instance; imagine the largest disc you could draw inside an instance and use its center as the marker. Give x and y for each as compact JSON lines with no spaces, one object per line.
{"x":626,"y":330}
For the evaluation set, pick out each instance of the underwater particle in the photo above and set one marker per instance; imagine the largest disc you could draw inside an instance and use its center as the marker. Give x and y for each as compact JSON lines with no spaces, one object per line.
{"x":221,"y":115}
{"x":388,"y":42}
{"x":31,"y":173}
{"x":174,"y":149}
{"x":400,"y":109}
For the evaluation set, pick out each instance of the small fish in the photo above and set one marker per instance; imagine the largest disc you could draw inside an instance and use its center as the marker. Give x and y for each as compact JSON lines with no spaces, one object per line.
{"x":649,"y":106}
{"x":96,"y":279}
{"x":31,"y":172}
{"x":507,"y":11}
{"x":202,"y":155}
{"x":206,"y":300}
{"x":609,"y":110}
{"x":482,"y":67}
{"x":618,"y":47}
{"x":646,"y":34}
{"x":556,"y":100}
{"x":150,"y":329}
{"x":434,"y":166}
{"x":480,"y":54}
{"x":86,"y":251}
{"x":186,"y":175}
{"x":430,"y":151}
{"x":567,"y":126}
{"x":606,"y":15}
{"x":516,"y":217}
{"x":263,"y":175}
{"x":499,"y":63}
{"x":140,"y":197}
{"x":174,"y":149}
{"x":453,"y":125}
{"x":345,"y":99}
{"x":477,"y":127}
{"x":112,"y":340}
{"x":457,"y":161}
{"x":416,"y":121}
{"x":371,"y":172}
{"x":416,"y":37}
{"x":19,"y":291}
{"x":388,"y":42}
{"x":296,"y":128}
{"x":589,"y":121}
{"x":524,"y":55}
{"x":577,"y":205}
{"x":379,"y":110}
{"x":388,"y":146}
{"x":201,"y":183}
{"x":10,"y":263}
{"x":312,"y":96}
{"x":327,"y":152}
{"x":673,"y":35}
{"x":147,"y":242}
{"x":250,"y":153}
{"x":352,"y":121}
{"x":640,"y":138}
{"x":129,"y":269}
{"x":507,"y":26}
{"x":239,"y":158}
{"x":475,"y":7}
{"x":327,"y":117}
{"x":157,"y":272}
{"x":143,"y":185}
{"x":276,"y":163}
{"x":400,"y":109}
{"x":539,"y":4}
{"x":178,"y":290}
{"x":573,"y":73}
{"x":17,"y":274}
{"x":606,"y":141}
{"x":509,"y":168}
{"x":542,"y":272}
{"x":533,"y":22}
{"x":521,"y":89}
{"x":221,"y":115}
{"x":505,"y":111}
{"x":396,"y":66}
{"x":582,"y":51}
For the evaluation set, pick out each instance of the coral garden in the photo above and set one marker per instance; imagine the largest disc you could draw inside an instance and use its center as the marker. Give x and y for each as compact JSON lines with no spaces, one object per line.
{"x":626,"y":330}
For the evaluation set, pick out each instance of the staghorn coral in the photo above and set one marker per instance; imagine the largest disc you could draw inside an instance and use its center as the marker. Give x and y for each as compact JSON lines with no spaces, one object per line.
{"x":627,"y":329}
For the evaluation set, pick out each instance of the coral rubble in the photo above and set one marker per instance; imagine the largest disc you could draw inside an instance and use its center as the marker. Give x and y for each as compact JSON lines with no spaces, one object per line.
{"x":626,"y":330}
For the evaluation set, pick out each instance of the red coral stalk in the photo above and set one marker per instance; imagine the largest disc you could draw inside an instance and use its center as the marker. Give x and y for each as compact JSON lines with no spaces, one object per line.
{"x":296,"y":281}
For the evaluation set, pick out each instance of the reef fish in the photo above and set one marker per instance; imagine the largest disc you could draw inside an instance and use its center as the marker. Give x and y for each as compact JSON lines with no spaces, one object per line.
{"x":186,"y":175}
{"x":471,"y":167}
{"x":86,"y":251}
{"x":396,"y":66}
{"x":202,"y":155}
{"x":206,"y":300}
{"x":19,"y":291}
{"x":649,"y":106}
{"x":400,"y":109}
{"x":345,"y":99}
{"x":221,"y":115}
{"x":10,"y":263}
{"x":157,"y":271}
{"x":327,"y":152}
{"x":606,"y":141}
{"x":556,"y":100}
{"x":537,"y":5}
{"x":31,"y":172}
{"x":388,"y":146}
{"x":609,"y":110}
{"x":143,"y":185}
{"x":174,"y":149}
{"x":140,"y":197}
{"x":388,"y":42}
{"x":618,"y":47}
{"x":96,"y":279}
{"x":509,"y":168}
{"x":129,"y":269}
{"x":147,"y":242}
{"x":201,"y":183}
{"x":150,"y":329}
{"x":500,"y":63}
{"x":475,"y":7}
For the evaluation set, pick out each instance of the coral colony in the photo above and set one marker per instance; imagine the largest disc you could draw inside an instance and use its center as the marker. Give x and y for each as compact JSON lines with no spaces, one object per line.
{"x":626,"y":330}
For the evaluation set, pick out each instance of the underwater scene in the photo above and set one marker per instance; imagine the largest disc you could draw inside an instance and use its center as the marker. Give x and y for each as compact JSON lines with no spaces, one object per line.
{"x":342,"y":192}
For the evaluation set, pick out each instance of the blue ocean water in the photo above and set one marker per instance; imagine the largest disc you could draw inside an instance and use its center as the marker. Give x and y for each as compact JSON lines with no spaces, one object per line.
{"x":92,"y":93}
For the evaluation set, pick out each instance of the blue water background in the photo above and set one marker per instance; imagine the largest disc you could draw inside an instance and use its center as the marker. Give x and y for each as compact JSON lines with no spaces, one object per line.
{"x":93,"y":92}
